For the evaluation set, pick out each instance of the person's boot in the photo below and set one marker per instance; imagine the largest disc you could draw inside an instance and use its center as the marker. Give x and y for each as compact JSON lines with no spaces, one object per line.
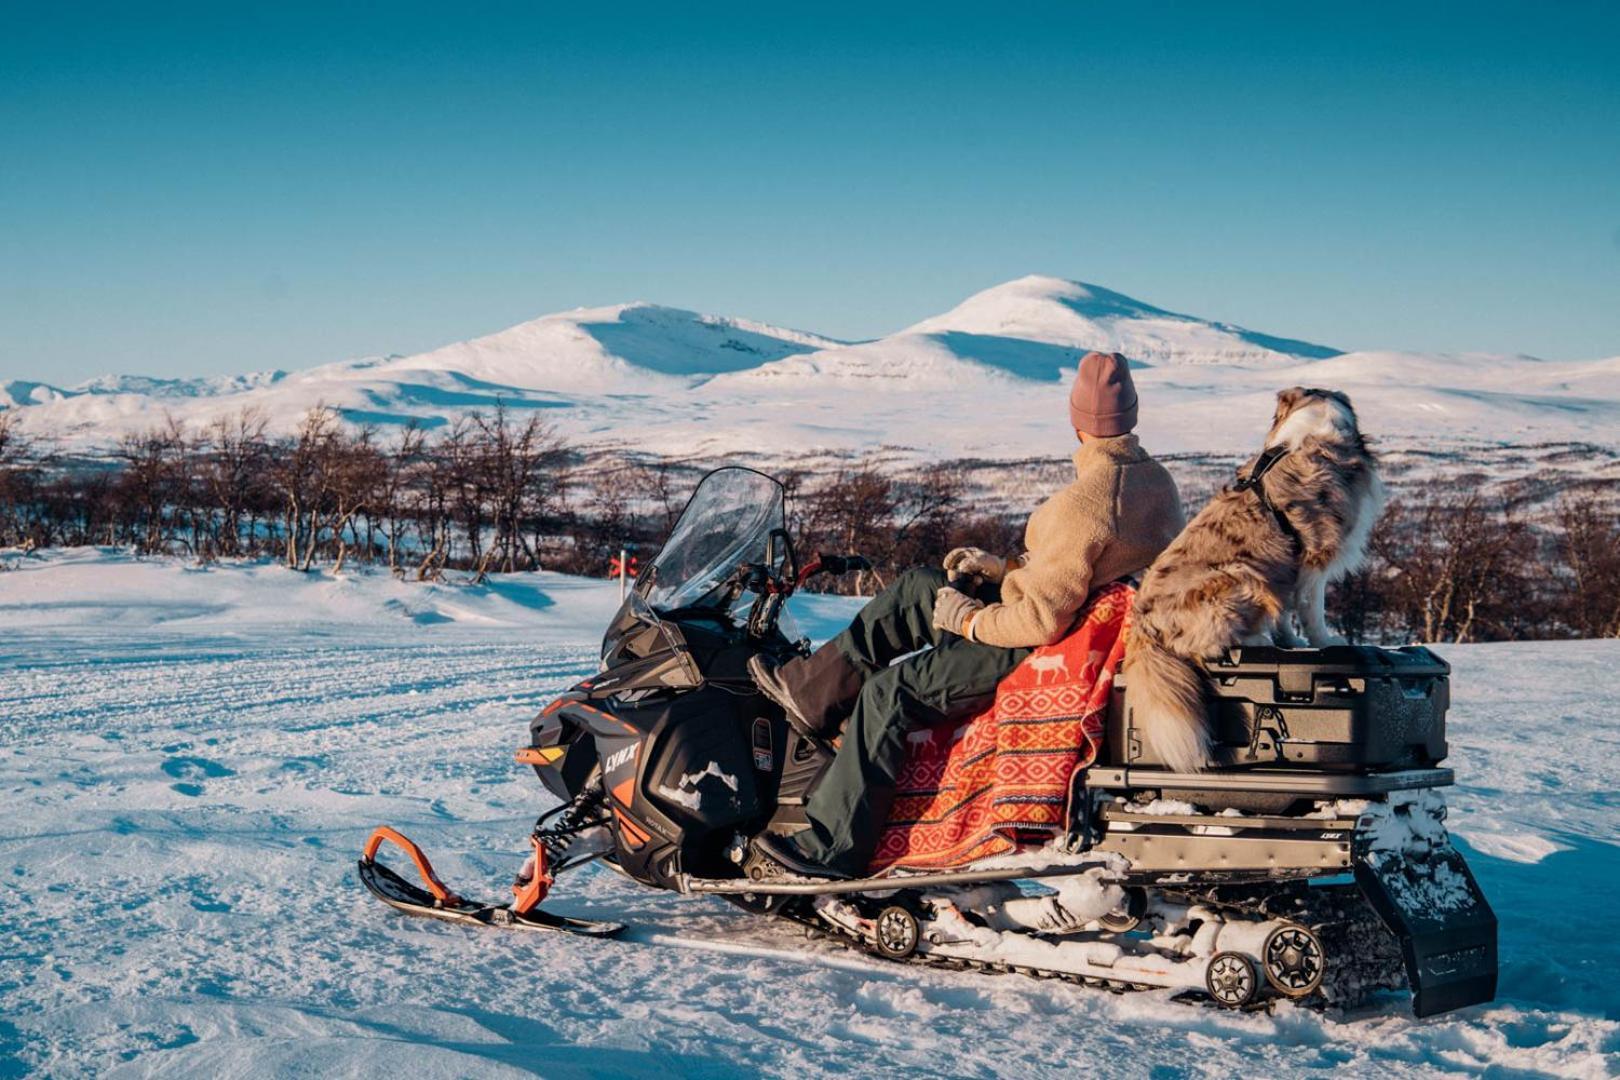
{"x":767,"y":675}
{"x":815,"y":693}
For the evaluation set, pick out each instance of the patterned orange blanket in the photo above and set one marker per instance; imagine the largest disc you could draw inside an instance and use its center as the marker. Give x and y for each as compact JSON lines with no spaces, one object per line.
{"x":999,"y":781}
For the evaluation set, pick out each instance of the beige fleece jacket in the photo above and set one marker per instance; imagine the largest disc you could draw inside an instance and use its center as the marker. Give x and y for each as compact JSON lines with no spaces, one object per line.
{"x":1121,"y":510}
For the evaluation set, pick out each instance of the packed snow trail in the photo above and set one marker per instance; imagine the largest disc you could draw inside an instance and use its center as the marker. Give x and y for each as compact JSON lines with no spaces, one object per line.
{"x":190,"y":761}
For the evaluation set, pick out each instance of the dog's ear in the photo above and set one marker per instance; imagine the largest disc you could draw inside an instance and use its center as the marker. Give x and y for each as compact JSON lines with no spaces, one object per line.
{"x":1335,"y":395}
{"x":1338,"y":395}
{"x":1287,"y":400}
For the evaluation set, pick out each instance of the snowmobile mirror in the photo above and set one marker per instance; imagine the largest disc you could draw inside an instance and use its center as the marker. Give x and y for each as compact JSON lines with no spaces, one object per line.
{"x":779,"y":556}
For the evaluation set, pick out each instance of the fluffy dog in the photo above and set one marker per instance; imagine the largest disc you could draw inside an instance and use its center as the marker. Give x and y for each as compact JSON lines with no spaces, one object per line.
{"x":1257,"y":558}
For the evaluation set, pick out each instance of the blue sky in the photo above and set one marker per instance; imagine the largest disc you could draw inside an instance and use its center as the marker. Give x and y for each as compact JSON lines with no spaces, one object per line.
{"x":207,"y":188}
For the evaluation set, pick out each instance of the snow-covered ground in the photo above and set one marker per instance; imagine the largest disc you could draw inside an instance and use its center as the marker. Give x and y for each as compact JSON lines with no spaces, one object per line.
{"x":190,"y":759}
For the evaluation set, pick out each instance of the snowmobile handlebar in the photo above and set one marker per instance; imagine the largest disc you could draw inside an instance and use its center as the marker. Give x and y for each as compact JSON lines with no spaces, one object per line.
{"x":832,"y":564}
{"x":774,"y":587}
{"x":761,"y":578}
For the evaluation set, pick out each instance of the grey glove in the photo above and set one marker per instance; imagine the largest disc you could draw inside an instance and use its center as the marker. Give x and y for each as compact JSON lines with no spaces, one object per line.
{"x":954,"y":609}
{"x":975,"y":562}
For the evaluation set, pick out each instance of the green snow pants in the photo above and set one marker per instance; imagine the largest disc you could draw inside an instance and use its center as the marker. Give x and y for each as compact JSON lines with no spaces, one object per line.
{"x":956,"y":678}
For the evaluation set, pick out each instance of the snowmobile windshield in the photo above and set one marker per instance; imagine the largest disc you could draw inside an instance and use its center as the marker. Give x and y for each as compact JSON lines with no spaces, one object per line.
{"x":727,"y":523}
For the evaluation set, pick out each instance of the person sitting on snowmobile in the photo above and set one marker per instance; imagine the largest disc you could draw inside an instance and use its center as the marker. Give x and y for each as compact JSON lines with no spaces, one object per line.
{"x":1121,"y":510}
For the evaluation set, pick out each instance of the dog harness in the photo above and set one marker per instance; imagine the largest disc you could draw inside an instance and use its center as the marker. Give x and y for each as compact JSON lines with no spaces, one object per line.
{"x":1253,"y":482}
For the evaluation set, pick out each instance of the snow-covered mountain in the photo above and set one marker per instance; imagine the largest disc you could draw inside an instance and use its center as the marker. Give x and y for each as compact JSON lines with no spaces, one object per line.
{"x":207,"y":386}
{"x":626,"y":348}
{"x":608,"y":348}
{"x":20,"y":392}
{"x":1071,"y":313}
{"x":1035,"y":328}
{"x":977,"y":380}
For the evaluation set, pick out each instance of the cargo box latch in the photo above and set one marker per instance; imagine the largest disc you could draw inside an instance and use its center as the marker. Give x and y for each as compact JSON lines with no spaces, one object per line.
{"x":1296,"y":683}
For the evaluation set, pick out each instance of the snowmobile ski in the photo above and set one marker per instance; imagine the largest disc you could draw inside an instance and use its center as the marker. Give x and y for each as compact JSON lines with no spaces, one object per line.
{"x":438,"y":902}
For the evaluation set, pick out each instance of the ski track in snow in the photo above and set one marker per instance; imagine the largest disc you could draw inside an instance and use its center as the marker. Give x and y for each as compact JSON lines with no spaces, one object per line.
{"x":180,"y":813}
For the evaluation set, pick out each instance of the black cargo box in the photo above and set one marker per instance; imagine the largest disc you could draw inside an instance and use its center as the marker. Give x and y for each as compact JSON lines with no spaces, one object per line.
{"x":1343,"y":708}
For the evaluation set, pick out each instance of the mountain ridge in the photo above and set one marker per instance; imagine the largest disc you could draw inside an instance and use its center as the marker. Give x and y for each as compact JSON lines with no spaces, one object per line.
{"x":1063,"y":312}
{"x":672,"y":381}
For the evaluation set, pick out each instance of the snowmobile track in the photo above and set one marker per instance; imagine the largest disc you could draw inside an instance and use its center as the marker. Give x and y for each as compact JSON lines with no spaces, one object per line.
{"x":1366,"y":957}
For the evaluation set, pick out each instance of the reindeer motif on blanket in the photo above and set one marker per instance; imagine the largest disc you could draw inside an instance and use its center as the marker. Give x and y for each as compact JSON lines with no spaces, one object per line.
{"x":1055,"y":664}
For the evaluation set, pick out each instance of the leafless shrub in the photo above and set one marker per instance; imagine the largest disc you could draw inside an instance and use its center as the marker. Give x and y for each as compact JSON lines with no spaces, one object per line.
{"x":520,"y":466}
{"x":234,"y":468}
{"x":153,"y":484}
{"x":1587,"y":548}
{"x":498,"y":493}
{"x":1458,"y":568}
{"x":18,"y":483}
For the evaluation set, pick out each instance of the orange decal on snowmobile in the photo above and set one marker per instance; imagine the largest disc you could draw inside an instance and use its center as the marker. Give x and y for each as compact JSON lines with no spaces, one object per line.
{"x":604,"y":715}
{"x":624,"y":792}
{"x":539,"y":755}
{"x":632,"y":832}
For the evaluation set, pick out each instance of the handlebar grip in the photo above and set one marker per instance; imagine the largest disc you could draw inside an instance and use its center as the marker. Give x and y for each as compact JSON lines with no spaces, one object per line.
{"x":843,"y":564}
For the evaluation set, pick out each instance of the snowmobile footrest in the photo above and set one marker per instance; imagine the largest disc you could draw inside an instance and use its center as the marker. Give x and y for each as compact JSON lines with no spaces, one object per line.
{"x":798,"y":886}
{"x":1446,"y":927}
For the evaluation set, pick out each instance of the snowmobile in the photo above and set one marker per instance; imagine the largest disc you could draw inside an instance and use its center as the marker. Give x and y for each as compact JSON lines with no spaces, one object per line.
{"x":1312,"y":864}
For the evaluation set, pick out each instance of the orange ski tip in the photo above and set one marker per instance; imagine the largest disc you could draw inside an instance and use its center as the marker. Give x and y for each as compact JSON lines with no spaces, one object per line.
{"x":539,"y":755}
{"x":440,"y":893}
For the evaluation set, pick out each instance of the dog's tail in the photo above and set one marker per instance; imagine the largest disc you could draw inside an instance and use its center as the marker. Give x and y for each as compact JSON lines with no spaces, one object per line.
{"x":1166,"y":697}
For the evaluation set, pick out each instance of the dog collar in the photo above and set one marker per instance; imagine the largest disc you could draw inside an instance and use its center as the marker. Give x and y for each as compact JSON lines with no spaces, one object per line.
{"x":1262,"y":465}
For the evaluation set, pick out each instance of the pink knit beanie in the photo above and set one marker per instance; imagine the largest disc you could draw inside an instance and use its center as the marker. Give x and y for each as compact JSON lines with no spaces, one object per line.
{"x":1103,"y":401}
